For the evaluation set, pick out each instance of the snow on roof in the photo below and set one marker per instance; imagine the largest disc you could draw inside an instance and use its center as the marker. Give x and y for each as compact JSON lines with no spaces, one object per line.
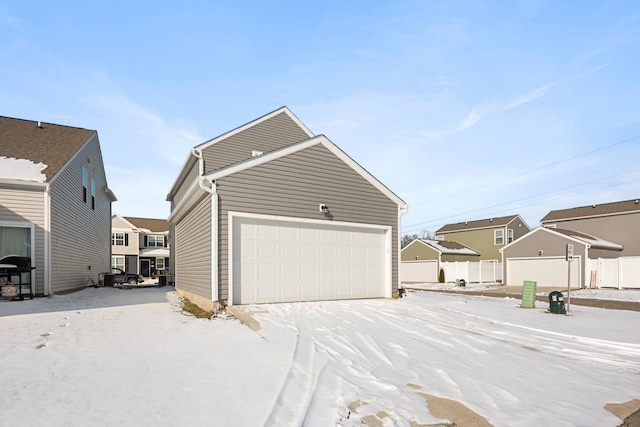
{"x":22,"y":169}
{"x":450,"y":248}
{"x":594,"y":242}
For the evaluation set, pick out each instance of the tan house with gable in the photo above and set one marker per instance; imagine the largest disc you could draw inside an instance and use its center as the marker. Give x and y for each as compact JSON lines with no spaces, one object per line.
{"x":486,"y":236}
{"x":270,"y":212}
{"x":140,"y":245}
{"x":55,"y":205}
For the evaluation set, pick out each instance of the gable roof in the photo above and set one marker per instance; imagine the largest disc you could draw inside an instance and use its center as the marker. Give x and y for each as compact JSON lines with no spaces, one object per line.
{"x":478,"y":224}
{"x":47,"y":143}
{"x":605,"y":209}
{"x":293,"y":148}
{"x":576,"y":236}
{"x":152,"y":224}
{"x":446,"y":247}
{"x":196,"y":153}
{"x":281,"y":110}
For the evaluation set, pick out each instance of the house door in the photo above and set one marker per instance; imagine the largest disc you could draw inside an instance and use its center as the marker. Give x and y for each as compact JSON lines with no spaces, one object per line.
{"x":145,"y":268}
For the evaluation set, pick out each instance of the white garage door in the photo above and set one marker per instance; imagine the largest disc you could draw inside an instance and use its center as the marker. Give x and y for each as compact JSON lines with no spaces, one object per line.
{"x":285,"y":261}
{"x":544,"y":271}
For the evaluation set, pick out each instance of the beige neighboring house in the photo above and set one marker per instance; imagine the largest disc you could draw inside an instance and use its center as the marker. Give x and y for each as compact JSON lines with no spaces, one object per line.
{"x":55,"y":205}
{"x":140,"y":245}
{"x":487,"y":236}
{"x":270,"y":212}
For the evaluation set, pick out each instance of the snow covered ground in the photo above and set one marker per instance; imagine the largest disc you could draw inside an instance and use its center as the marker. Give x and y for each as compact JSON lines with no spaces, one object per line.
{"x":128,"y":357}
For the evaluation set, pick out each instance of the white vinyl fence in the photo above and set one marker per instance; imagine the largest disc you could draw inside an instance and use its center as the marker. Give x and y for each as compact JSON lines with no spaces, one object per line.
{"x":614,"y":273}
{"x":471,"y":271}
{"x":425,"y":271}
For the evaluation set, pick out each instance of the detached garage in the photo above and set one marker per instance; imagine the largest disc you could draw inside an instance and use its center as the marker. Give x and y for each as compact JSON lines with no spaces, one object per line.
{"x":271,"y":213}
{"x":541,"y":256}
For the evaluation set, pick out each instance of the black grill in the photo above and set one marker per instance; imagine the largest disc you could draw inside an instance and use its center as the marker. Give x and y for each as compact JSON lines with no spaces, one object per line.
{"x":15,"y":265}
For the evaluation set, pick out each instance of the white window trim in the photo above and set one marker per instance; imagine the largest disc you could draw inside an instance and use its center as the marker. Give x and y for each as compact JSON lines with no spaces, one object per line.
{"x":510,"y":235}
{"x":155,"y":239}
{"x":114,"y":238}
{"x":160,"y":260}
{"x":495,"y":237}
{"x":119,"y":257}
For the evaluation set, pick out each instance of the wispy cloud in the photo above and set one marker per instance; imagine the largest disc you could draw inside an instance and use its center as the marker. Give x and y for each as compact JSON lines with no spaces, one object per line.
{"x":489,"y":108}
{"x":170,"y":140}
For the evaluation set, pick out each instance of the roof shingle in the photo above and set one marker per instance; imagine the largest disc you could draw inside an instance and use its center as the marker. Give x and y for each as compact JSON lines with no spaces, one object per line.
{"x":50,"y":144}
{"x":593,"y":210}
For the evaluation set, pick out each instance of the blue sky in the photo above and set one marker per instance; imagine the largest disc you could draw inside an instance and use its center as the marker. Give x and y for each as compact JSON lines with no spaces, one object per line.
{"x":465,"y":109}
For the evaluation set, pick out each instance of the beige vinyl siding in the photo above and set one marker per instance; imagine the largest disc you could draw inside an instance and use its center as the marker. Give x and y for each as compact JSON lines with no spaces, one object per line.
{"x":294,"y":186}
{"x":185,"y":185}
{"x":192,"y":250}
{"x":272,"y":134}
{"x":27,"y":204}
{"x":623,"y":229}
{"x":120,"y":223}
{"x":80,"y":235}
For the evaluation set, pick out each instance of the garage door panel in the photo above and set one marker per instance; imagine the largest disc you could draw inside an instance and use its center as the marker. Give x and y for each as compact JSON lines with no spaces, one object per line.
{"x":290,"y":261}
{"x":544,"y":271}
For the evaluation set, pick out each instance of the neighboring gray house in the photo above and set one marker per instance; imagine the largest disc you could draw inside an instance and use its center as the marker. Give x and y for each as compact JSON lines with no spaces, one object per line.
{"x":270,"y":212}
{"x":55,"y":205}
{"x":541,"y":256}
{"x":617,"y":222}
{"x":140,"y":245}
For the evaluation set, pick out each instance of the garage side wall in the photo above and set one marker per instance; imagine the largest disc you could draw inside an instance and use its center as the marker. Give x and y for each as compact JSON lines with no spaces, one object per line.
{"x":272,"y":134}
{"x":192,"y":252}
{"x":294,"y":186}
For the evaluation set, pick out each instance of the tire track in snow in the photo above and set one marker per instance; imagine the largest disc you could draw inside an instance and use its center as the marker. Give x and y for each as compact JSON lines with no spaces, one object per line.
{"x":298,"y":389}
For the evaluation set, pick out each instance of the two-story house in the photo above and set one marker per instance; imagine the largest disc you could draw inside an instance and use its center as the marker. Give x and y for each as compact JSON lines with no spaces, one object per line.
{"x":486,"y":236}
{"x":55,"y":205}
{"x":140,"y":245}
{"x":605,"y":243}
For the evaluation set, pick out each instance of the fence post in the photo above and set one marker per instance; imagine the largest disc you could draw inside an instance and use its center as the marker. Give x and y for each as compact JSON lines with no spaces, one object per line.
{"x":620,"y":273}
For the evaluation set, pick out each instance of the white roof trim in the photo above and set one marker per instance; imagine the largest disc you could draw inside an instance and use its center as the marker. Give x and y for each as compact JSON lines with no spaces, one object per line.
{"x":599,"y":243}
{"x":253,"y":123}
{"x":294,"y":148}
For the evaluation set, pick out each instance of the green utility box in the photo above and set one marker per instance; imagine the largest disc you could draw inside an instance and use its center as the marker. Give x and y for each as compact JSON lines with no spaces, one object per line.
{"x":528,"y":294}
{"x":556,"y":303}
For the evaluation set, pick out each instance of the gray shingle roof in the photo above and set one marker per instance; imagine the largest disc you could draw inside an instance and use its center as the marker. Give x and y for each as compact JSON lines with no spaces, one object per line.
{"x":50,"y":144}
{"x":593,"y":210}
{"x":481,"y":223}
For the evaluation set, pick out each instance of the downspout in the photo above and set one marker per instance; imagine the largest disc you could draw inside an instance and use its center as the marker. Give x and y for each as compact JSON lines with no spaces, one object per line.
{"x":209,"y":186}
{"x":401,"y":212}
{"x":47,"y":243}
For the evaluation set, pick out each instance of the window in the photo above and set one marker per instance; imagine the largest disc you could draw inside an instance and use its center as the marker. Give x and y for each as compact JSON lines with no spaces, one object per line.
{"x":155,"y":241}
{"x":93,"y":194}
{"x":117,"y":262}
{"x":119,"y":239}
{"x":15,"y":241}
{"x":159,"y":263}
{"x":498,"y":237}
{"x":510,"y":235}
{"x":85,"y":184}
{"x":440,"y":237}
